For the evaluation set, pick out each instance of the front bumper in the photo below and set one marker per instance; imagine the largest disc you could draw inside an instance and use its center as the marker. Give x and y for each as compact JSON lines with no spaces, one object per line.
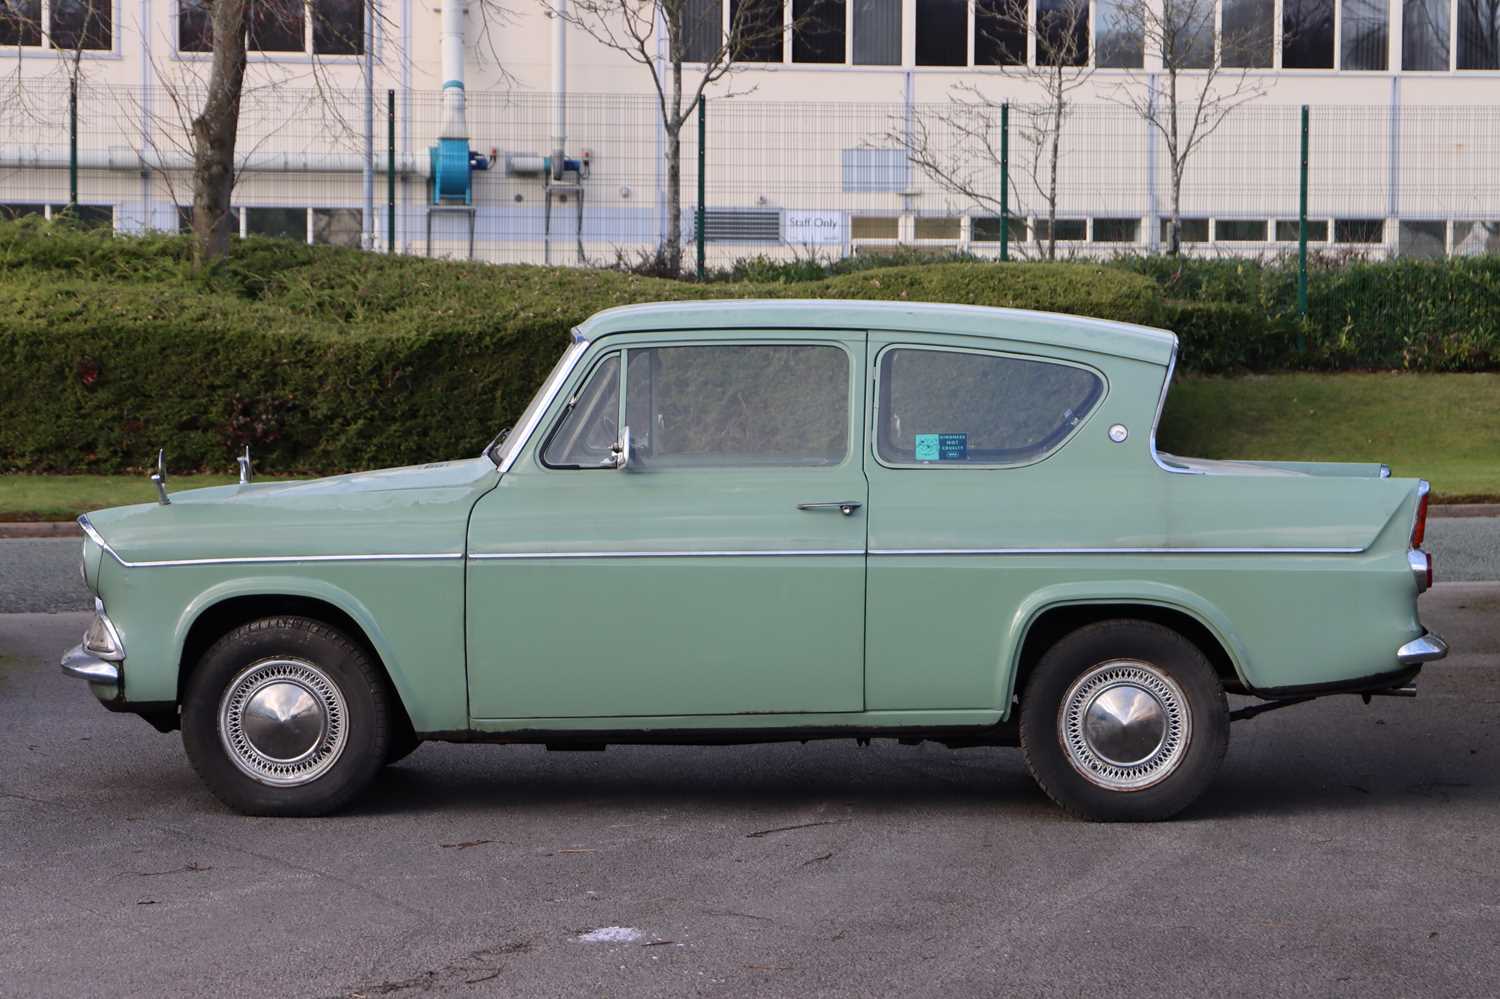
{"x":1428,"y":648}
{"x":80,"y":663}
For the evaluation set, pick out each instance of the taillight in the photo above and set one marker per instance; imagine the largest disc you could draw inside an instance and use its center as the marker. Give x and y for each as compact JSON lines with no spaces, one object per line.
{"x":1419,"y":526}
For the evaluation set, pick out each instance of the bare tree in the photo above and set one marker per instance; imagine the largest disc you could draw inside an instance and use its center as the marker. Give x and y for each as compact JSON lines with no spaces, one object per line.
{"x":692,"y":32}
{"x":1205,"y":70}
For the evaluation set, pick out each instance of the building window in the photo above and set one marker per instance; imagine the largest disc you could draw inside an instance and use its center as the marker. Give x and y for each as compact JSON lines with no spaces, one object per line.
{"x":1475,"y":238}
{"x":1365,"y":34}
{"x":986,"y":229}
{"x":942,"y":32}
{"x":1240,"y":230}
{"x":877,"y":32}
{"x":1116,"y":230}
{"x":1247,"y":36}
{"x":338,"y":226}
{"x":820,"y":31}
{"x":1119,"y":35}
{"x":71,"y":25}
{"x":756,"y":30}
{"x":702,"y":29}
{"x":18,"y":210}
{"x":1062,"y":33}
{"x":1359,"y":230}
{"x":1193,"y":230}
{"x":284,"y":223}
{"x":875,"y":227}
{"x":1479,"y":34}
{"x":195,"y":30}
{"x":1000,"y":32}
{"x":338,"y":27}
{"x":277,"y":26}
{"x":20,"y":22}
{"x":1068,"y":230}
{"x":947,"y":228}
{"x":1424,"y":34}
{"x":88,"y":216}
{"x":1287,"y":231}
{"x":1189,"y":33}
{"x":1425,"y":240}
{"x":1307,"y":34}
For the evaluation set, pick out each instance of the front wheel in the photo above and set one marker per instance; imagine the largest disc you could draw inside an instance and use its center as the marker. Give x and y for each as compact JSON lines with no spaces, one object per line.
{"x":1124,"y":721}
{"x":286,"y":716}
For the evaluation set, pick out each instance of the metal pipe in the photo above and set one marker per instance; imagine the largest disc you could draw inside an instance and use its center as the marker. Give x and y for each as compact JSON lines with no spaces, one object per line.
{"x":454,"y":125}
{"x":126,"y":158}
{"x":559,"y":86}
{"x":390,"y":171}
{"x":367,"y":216}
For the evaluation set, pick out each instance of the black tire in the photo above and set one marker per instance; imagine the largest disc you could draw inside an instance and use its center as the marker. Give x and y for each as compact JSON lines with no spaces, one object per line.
{"x":1134,"y":656}
{"x":351,"y":703}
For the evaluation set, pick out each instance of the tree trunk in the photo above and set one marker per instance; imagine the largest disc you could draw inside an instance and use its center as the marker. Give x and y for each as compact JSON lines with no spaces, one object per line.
{"x":1057,"y":115}
{"x":672,"y":247}
{"x":1174,"y":231}
{"x":214,"y":132}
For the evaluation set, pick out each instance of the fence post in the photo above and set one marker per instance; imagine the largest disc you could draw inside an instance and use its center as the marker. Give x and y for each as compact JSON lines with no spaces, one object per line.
{"x":73,"y":145}
{"x":1302,"y":235}
{"x":1005,"y":181}
{"x":702,"y":180}
{"x":390,"y":171}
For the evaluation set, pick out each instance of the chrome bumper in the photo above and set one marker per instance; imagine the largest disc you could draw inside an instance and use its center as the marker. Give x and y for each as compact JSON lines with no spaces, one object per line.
{"x":87,"y":666}
{"x":1426,"y":649}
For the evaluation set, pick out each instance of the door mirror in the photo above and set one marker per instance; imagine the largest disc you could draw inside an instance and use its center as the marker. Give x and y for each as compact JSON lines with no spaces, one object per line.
{"x":619,"y":452}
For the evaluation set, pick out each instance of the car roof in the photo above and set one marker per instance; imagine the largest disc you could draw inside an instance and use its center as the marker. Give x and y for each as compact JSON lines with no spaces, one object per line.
{"x":1101,"y":336}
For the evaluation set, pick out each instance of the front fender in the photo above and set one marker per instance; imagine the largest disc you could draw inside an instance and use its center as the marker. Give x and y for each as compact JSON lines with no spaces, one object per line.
{"x":1116,"y":591}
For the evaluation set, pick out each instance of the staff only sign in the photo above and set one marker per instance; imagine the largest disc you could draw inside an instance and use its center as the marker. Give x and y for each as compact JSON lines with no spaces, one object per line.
{"x":822,"y":228}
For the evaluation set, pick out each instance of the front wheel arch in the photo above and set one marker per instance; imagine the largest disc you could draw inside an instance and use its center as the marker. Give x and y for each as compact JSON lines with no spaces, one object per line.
{"x":218,"y":619}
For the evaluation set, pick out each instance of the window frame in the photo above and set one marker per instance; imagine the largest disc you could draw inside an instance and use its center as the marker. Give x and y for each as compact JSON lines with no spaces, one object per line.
{"x":46,"y":50}
{"x":374,"y":32}
{"x":878,"y":398}
{"x":621,"y":347}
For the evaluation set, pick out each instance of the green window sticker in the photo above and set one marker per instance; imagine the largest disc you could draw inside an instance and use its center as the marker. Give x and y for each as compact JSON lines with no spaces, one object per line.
{"x":942,"y":447}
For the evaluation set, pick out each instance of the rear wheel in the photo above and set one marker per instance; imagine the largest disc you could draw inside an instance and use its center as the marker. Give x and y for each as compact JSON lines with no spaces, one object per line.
{"x":286,"y":716}
{"x":1124,"y":720}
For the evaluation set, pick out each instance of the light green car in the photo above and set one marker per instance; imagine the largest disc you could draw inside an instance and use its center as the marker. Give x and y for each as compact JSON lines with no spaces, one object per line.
{"x":729,"y":522}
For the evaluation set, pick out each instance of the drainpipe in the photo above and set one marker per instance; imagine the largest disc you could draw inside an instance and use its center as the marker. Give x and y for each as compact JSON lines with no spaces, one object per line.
{"x":559,"y":86}
{"x":454,"y":125}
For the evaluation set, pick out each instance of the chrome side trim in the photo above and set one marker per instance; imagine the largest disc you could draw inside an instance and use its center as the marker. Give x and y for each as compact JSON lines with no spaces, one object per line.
{"x":1161,"y":404}
{"x":741,"y":553}
{"x":1426,"y":649}
{"x":93,"y":533}
{"x":522,"y":434}
{"x":1117,"y":551}
{"x":78,"y":663}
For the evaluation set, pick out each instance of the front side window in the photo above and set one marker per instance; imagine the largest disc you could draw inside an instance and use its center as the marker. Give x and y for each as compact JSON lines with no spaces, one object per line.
{"x":949,"y":407}
{"x":735,"y":405}
{"x":590,"y":425}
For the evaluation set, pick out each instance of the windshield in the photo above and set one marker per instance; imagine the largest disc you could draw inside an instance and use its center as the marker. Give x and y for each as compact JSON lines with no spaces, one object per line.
{"x":500,"y":452}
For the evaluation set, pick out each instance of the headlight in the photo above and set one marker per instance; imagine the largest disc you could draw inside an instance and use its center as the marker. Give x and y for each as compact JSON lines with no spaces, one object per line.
{"x":102,"y":639}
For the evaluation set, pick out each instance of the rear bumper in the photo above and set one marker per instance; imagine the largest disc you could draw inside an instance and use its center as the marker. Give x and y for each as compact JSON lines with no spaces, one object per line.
{"x":1426,"y":649}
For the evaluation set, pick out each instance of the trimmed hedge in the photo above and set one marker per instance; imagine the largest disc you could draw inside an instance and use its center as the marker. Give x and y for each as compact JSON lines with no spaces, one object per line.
{"x":327,"y":359}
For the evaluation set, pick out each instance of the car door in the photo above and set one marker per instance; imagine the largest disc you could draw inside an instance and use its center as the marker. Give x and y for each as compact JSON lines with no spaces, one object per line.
{"x":720,"y":572}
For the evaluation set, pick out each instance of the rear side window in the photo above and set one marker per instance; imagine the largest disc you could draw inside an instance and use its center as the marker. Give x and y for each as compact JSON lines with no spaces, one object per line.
{"x":735,"y":405}
{"x":949,"y":407}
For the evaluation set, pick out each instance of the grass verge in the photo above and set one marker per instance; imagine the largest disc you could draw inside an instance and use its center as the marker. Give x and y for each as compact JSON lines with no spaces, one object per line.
{"x":1442,"y":427}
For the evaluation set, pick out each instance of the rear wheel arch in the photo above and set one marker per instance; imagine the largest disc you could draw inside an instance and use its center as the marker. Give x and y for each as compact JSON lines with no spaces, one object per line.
{"x":217,"y":619}
{"x":1049,"y":624}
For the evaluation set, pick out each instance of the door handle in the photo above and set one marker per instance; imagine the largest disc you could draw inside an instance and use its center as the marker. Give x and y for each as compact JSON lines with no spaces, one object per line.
{"x":845,"y":507}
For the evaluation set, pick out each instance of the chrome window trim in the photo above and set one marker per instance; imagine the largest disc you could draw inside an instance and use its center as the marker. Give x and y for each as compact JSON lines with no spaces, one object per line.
{"x":550,"y":392}
{"x":98,"y":539}
{"x":1161,"y":404}
{"x":1330,"y":550}
{"x":741,"y":553}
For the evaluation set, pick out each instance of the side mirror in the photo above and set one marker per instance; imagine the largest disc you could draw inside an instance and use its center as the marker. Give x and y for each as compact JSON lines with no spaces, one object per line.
{"x":619,"y":452}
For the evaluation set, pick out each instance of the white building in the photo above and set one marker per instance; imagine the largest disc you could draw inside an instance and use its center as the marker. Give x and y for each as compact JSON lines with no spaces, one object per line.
{"x":805,"y":149}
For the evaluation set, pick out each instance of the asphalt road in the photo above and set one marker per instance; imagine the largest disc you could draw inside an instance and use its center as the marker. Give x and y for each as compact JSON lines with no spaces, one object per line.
{"x":42,"y":574}
{"x":1345,"y":850}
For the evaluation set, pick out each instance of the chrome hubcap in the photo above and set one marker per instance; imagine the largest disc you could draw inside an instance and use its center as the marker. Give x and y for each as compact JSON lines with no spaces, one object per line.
{"x":283,"y":722}
{"x":1125,"y":725}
